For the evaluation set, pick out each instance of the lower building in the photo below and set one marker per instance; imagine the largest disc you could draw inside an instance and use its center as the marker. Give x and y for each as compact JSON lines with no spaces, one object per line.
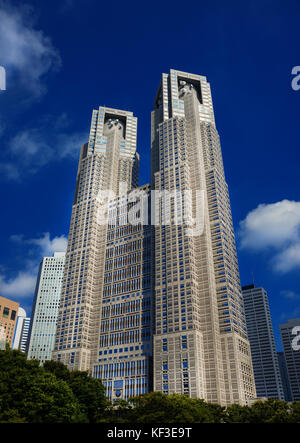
{"x":260,"y":334}
{"x":290,"y":336}
{"x":8,"y":319}
{"x":21,"y":331}
{"x":43,"y":322}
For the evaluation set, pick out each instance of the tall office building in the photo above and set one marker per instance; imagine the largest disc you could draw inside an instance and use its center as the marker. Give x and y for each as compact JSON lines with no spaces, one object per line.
{"x":21,"y":331}
{"x":290,"y":336}
{"x":284,"y":377}
{"x":106,"y":161}
{"x":47,"y":295}
{"x":125,"y":342}
{"x":200,"y":341}
{"x":8,"y":320}
{"x":260,"y":333}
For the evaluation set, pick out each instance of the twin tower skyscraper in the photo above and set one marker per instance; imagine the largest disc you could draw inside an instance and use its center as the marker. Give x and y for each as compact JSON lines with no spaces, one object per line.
{"x":156,"y":305}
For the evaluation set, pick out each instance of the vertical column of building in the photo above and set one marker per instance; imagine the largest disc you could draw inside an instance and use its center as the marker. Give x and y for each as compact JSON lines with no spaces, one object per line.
{"x":290,"y":332}
{"x":260,"y":333}
{"x":43,"y":322}
{"x":179,"y":342}
{"x":284,"y":377}
{"x":186,"y":152}
{"x":107,"y":159}
{"x":125,"y":344}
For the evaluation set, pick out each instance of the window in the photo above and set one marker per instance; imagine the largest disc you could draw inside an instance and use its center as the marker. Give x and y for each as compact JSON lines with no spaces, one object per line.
{"x":5,"y":312}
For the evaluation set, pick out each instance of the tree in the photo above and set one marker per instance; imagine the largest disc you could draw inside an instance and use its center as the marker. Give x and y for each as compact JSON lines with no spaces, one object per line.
{"x":237,"y":414}
{"x":270,"y":411}
{"x":29,"y":393}
{"x":89,"y":392}
{"x":156,"y":407}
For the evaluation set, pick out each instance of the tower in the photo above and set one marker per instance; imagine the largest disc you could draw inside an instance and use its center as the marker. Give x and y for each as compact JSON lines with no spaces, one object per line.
{"x":200,"y":339}
{"x":106,"y":161}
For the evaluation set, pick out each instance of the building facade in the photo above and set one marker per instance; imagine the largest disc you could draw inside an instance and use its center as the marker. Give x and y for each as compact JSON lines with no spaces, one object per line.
{"x":125,"y":342}
{"x":260,"y":333}
{"x":47,"y":296}
{"x":8,"y":320}
{"x":200,"y":340}
{"x":108,"y":162}
{"x":21,"y":331}
{"x":193,"y":301}
{"x":290,"y":336}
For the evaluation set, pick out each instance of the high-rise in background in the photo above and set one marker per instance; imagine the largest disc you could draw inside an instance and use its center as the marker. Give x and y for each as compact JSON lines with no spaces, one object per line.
{"x":260,"y":333}
{"x":21,"y":331}
{"x":46,"y":301}
{"x":289,"y":332}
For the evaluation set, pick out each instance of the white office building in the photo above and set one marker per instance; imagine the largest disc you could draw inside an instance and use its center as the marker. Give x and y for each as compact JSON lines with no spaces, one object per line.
{"x":45,"y":307}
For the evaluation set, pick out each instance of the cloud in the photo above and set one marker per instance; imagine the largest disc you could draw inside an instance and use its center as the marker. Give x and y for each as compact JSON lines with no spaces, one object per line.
{"x":275,"y":228}
{"x":288,"y":259}
{"x":48,"y":246}
{"x":32,"y":148}
{"x":22,"y":285}
{"x":26,"y":53}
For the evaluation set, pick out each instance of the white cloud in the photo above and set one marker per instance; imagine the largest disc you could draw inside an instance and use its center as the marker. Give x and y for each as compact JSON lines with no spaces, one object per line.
{"x":23,"y":284}
{"x":288,"y":259}
{"x":274,"y":227}
{"x":48,"y":246}
{"x":26,"y":53}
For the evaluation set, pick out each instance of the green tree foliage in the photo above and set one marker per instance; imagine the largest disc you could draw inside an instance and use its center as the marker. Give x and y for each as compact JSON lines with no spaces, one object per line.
{"x":159,"y":408}
{"x":89,"y":392}
{"x":51,"y":394}
{"x":29,"y":393}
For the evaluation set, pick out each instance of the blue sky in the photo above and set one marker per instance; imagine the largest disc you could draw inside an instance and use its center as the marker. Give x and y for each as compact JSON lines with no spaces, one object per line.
{"x":65,"y":58}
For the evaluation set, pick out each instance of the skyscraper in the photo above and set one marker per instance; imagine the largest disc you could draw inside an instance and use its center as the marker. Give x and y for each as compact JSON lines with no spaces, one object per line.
{"x":21,"y":331}
{"x":260,"y":333}
{"x":47,"y":295}
{"x":290,"y":336}
{"x":106,"y":316}
{"x":200,"y":340}
{"x":106,"y":161}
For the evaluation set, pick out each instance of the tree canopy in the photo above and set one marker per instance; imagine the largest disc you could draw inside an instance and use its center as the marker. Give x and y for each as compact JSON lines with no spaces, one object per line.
{"x":31,"y":393}
{"x":50,"y":394}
